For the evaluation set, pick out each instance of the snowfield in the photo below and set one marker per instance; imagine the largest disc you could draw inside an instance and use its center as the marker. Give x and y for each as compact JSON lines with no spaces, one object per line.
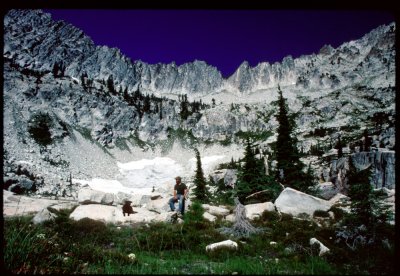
{"x":139,"y":177}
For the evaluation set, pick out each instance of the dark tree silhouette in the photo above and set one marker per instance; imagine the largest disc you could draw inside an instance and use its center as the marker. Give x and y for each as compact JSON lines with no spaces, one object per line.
{"x":200,"y":191}
{"x":289,"y":167}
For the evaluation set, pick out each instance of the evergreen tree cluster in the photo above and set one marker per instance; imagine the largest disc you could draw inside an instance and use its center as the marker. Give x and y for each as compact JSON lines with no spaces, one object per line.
{"x":252,"y":178}
{"x":188,"y":108}
{"x":144,"y":103}
{"x":316,"y":150}
{"x":58,"y":69}
{"x":367,"y":223}
{"x":87,"y":84}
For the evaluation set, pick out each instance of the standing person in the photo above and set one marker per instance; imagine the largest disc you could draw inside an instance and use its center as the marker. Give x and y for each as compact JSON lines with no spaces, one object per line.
{"x":180,"y":192}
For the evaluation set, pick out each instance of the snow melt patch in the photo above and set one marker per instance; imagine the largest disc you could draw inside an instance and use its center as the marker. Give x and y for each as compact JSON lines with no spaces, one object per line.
{"x":105,"y":185}
{"x":139,"y":177}
{"x":146,"y":173}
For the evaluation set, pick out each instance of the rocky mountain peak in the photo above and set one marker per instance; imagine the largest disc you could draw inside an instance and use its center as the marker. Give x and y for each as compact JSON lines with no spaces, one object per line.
{"x":94,"y":100}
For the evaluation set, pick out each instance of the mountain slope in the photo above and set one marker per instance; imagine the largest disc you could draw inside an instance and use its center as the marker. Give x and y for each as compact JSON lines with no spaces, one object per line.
{"x":71,"y":107}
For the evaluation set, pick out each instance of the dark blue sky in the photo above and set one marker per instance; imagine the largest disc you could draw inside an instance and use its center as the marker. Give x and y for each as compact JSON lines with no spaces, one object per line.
{"x":222,"y":38}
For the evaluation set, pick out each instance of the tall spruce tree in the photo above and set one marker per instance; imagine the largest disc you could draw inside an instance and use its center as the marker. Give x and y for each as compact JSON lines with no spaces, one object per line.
{"x":200,"y":191}
{"x":252,"y":178}
{"x":289,"y":167}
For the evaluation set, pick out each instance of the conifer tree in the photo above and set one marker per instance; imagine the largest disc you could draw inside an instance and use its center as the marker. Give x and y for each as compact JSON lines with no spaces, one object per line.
{"x":110,"y":85}
{"x":367,"y":221}
{"x":289,"y":167}
{"x":360,"y":193}
{"x":367,"y":141}
{"x":200,"y":190}
{"x":252,"y":177}
{"x":56,"y":68}
{"x":339,"y":147}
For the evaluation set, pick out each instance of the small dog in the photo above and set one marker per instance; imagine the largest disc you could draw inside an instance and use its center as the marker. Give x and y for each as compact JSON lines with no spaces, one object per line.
{"x":127,"y":208}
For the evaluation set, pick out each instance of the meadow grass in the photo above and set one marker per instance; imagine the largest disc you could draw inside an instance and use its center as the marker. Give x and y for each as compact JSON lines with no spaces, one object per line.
{"x":92,"y":247}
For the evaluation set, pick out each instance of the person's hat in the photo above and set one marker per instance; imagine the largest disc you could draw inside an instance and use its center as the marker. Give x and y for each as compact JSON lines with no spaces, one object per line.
{"x":178,"y":177}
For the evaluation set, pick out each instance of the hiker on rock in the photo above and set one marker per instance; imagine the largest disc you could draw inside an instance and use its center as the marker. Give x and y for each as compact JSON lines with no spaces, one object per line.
{"x":180,"y":192}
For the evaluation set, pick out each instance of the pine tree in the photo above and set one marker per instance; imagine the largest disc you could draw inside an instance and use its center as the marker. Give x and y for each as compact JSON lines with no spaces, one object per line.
{"x":289,"y":167}
{"x":56,"y":68}
{"x":367,"y":141}
{"x":200,"y":190}
{"x":339,"y":147}
{"x":360,"y":191}
{"x":252,"y":177}
{"x":146,"y":104}
{"x":110,"y":85}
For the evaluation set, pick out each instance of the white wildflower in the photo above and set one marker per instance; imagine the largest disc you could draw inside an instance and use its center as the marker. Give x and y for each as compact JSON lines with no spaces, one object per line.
{"x":132,"y":256}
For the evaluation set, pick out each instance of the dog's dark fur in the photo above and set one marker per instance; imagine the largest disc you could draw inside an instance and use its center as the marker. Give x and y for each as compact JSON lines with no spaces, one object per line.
{"x":127,"y":208}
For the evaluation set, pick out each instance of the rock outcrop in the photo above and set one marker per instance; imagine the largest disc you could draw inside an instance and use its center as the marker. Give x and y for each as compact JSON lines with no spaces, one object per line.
{"x":294,"y":202}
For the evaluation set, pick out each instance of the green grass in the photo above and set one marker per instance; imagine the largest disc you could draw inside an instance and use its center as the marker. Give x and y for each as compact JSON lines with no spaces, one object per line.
{"x":88,"y":246}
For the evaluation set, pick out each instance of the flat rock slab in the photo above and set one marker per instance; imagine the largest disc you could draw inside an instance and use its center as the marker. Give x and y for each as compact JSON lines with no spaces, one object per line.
{"x":18,"y":205}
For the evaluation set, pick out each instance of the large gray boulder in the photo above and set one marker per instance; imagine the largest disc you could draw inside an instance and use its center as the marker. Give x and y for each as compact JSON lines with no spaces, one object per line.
{"x":255,"y":210}
{"x":215,"y":210}
{"x":113,"y":214}
{"x":294,"y":203}
{"x":107,"y":214}
{"x":228,"y":244}
{"x":322,"y":248}
{"x":50,"y":212}
{"x":89,"y":196}
{"x":16,"y":205}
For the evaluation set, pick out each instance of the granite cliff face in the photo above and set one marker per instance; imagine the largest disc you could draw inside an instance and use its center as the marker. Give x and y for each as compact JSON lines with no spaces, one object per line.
{"x":74,"y":108}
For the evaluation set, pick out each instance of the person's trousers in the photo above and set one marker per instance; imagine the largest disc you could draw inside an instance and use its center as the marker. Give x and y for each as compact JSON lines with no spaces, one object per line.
{"x":180,"y":199}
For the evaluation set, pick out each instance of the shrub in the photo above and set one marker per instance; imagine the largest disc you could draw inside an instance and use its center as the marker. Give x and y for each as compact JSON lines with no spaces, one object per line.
{"x":39,"y":128}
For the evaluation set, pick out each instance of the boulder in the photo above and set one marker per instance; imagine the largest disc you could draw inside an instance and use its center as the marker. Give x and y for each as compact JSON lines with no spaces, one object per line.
{"x":209,"y":217}
{"x":43,"y":215}
{"x":142,"y":215}
{"x":105,"y":213}
{"x":341,"y":201}
{"x":230,"y":217}
{"x":89,"y":196}
{"x":166,"y":217}
{"x":255,"y":210}
{"x":215,"y":210}
{"x":326,"y":190}
{"x":228,"y":175}
{"x":160,"y":205}
{"x":16,"y":205}
{"x":113,"y":214}
{"x":322,"y":248}
{"x":294,"y":202}
{"x":146,"y":199}
{"x":228,"y":244}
